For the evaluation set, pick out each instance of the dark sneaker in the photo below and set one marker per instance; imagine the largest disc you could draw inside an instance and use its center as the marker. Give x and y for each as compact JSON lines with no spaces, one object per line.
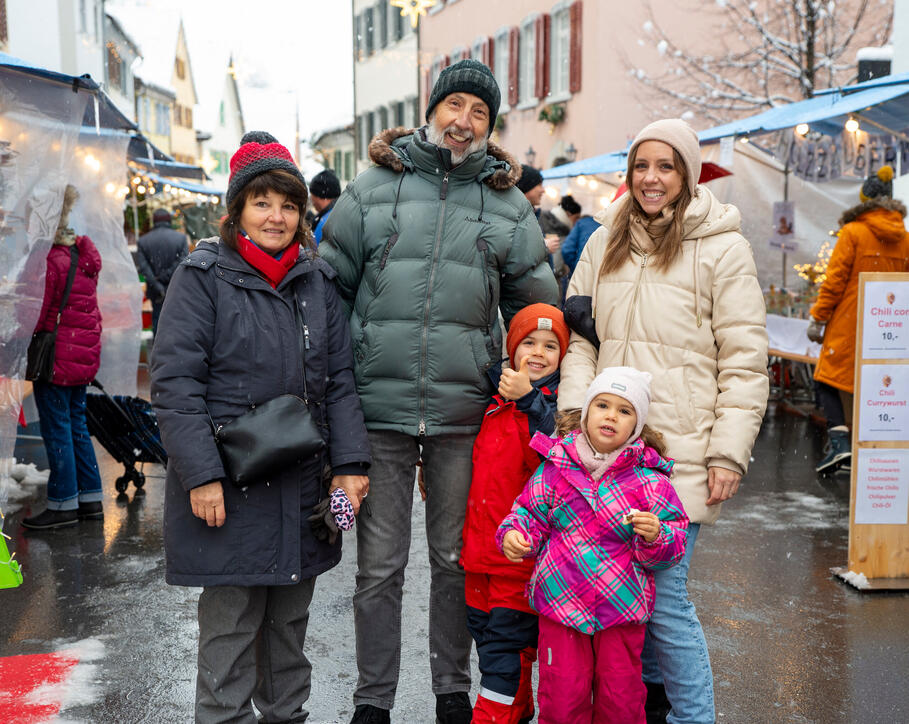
{"x":91,"y":511}
{"x":839,"y":450}
{"x":369,"y":714}
{"x":657,"y":707}
{"x":51,"y":519}
{"x":453,"y":708}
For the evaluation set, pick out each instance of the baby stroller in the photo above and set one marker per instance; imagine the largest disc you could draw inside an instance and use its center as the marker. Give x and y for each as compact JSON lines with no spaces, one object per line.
{"x":128,"y":430}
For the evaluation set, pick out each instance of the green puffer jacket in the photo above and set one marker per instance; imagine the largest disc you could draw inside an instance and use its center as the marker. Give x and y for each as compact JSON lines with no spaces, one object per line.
{"x":425,"y":257}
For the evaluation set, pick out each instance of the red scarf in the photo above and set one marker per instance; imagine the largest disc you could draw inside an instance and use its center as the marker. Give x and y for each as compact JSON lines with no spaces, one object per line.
{"x":274,"y":270}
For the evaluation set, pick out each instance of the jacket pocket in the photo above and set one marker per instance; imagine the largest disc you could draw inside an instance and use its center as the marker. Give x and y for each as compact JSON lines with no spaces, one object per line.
{"x":489,"y":294}
{"x":480,"y":343}
{"x":682,"y":403}
{"x":389,"y":245}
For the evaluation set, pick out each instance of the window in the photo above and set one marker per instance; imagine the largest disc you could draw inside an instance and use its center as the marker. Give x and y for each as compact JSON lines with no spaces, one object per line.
{"x":358,"y":40}
{"x":83,"y":16}
{"x":560,"y":51}
{"x":527,"y":63}
{"x":222,"y":165}
{"x":180,"y":67}
{"x":381,"y":14}
{"x":574,"y":71}
{"x":369,"y":31}
{"x":348,"y":165}
{"x":337,"y":158}
{"x":399,"y":113}
{"x":162,"y":119}
{"x":382,"y":122}
{"x":188,"y":117}
{"x":500,"y":66}
{"x":412,"y":112}
{"x":395,"y":24}
{"x":4,"y":33}
{"x":114,"y":67}
{"x":221,"y":113}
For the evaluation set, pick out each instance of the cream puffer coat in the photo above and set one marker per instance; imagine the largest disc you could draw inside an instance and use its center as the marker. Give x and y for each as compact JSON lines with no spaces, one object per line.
{"x":699,"y":327}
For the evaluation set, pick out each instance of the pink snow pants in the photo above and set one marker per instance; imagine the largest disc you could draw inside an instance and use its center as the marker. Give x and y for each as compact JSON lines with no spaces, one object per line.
{"x":590,"y":679}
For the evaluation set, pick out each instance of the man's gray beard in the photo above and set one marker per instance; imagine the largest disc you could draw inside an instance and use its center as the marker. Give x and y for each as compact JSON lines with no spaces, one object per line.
{"x":437,"y":138}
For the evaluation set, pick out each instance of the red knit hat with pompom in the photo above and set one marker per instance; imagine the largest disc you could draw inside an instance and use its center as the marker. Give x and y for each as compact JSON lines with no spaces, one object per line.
{"x":259,"y":152}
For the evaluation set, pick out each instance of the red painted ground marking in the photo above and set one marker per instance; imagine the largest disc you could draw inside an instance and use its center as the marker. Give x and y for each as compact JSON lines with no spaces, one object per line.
{"x":22,"y":675}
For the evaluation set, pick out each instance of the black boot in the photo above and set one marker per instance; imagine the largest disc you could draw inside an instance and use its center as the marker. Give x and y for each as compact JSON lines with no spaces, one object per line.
{"x":369,"y":714}
{"x":657,"y":706}
{"x":453,"y":708}
{"x":51,"y":519}
{"x":90,"y":511}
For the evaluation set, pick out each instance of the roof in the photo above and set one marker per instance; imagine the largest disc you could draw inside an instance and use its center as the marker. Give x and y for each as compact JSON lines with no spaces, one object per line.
{"x":108,"y":115}
{"x":157,"y":65}
{"x":126,"y":36}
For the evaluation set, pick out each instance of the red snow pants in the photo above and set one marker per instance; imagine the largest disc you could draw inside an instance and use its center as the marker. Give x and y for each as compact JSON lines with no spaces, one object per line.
{"x":590,"y":679}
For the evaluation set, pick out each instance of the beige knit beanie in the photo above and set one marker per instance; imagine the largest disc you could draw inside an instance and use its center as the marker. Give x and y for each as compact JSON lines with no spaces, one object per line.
{"x":681,"y":137}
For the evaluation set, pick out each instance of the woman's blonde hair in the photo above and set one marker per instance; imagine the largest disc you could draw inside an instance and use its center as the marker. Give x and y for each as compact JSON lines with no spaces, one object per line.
{"x":618,"y":248}
{"x":570,"y":420}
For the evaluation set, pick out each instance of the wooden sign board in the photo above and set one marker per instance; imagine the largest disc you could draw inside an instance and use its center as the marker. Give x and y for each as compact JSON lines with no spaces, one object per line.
{"x":879,"y":497}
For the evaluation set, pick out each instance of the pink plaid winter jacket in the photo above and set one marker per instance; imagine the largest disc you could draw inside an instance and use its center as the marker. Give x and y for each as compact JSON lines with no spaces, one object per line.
{"x":592,"y":571}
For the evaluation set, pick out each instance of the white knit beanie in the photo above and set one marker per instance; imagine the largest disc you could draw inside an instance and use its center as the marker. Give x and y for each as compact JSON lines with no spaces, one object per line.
{"x":629,"y":384}
{"x":682,"y":137}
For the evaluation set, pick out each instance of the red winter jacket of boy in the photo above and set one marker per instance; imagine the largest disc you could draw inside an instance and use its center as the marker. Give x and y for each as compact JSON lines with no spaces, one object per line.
{"x":503,"y":462}
{"x":78,"y":350}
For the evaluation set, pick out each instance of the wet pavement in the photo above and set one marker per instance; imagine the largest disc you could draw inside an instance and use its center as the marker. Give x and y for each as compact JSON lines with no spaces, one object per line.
{"x":788,"y":641}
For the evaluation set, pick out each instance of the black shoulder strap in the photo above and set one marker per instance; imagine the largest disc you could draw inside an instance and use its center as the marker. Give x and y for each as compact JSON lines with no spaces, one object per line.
{"x":73,"y":263}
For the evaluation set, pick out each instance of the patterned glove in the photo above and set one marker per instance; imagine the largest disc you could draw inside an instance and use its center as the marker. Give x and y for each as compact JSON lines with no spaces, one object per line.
{"x":815,"y":331}
{"x":330,"y":515}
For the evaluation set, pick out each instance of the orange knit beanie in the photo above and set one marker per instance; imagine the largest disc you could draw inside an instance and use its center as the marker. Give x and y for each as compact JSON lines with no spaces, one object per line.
{"x":534,"y":317}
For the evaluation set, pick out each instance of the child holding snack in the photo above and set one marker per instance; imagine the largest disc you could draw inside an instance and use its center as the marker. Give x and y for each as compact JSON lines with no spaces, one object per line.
{"x":500,"y":621}
{"x":599,"y":514}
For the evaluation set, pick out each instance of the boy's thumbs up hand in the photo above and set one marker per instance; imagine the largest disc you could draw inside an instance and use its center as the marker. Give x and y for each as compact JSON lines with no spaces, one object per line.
{"x":514,"y":384}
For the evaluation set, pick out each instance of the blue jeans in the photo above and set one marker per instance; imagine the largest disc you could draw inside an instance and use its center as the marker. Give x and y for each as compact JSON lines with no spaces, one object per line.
{"x":675,"y":650}
{"x":74,"y":476}
{"x":383,"y":545}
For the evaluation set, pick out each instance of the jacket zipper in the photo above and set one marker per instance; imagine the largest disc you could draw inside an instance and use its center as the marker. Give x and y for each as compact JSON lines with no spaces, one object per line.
{"x":391,"y":242}
{"x":631,"y":309}
{"x":424,"y":341}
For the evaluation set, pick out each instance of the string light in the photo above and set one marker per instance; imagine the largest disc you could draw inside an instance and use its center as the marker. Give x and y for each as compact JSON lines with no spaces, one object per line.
{"x":552,"y":192}
{"x":852,"y":125}
{"x":802,"y":129}
{"x":413,"y":8}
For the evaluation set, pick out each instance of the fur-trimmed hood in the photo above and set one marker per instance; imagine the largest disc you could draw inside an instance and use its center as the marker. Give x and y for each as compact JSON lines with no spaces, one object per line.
{"x":500,"y":172}
{"x":881,"y":202}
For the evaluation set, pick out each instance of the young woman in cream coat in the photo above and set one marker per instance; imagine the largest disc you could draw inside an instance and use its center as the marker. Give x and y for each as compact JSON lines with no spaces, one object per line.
{"x":668,"y":285}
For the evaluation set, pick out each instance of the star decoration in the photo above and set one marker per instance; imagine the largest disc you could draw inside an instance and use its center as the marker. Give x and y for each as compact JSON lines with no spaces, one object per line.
{"x":413,"y":8}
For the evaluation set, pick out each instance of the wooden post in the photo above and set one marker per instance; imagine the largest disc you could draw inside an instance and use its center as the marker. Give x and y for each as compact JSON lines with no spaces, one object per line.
{"x":878,"y":507}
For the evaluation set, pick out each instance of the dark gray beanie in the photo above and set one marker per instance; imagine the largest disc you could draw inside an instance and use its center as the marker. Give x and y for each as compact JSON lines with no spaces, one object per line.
{"x":530,"y":178}
{"x":467,"y":76}
{"x":259,"y":153}
{"x":879,"y":184}
{"x":325,"y":185}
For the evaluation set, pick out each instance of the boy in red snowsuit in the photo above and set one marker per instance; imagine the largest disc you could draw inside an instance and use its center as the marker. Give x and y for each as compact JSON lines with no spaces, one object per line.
{"x":498,"y":615}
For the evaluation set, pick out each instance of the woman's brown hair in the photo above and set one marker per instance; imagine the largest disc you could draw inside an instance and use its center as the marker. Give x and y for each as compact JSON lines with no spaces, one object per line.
{"x":570,"y":420}
{"x":281,"y":182}
{"x":618,"y":248}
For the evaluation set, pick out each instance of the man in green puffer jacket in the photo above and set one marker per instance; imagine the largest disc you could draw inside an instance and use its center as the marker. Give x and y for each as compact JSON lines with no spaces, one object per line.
{"x":428,"y":244}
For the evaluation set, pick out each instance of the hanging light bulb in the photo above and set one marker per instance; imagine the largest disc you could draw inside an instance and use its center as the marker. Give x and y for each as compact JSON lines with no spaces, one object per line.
{"x":109,"y":187}
{"x":140,"y":188}
{"x":852,"y":125}
{"x":802,"y":129}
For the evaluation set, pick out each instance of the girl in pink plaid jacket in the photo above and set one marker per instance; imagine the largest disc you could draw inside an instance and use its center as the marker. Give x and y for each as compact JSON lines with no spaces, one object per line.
{"x":599,"y":514}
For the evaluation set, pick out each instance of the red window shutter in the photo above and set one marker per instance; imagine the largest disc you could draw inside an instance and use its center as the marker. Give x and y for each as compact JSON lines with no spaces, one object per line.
{"x":465,"y":54}
{"x":513,"y":48}
{"x":446,"y":61}
{"x":541,"y":72}
{"x":489,"y":53}
{"x":574,"y":57}
{"x":427,"y":86}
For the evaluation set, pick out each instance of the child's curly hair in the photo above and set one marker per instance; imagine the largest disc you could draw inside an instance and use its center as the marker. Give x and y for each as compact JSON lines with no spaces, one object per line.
{"x":570,"y":420}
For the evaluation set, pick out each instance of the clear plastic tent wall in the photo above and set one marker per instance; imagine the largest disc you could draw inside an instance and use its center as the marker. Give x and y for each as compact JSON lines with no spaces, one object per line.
{"x":41,"y":150}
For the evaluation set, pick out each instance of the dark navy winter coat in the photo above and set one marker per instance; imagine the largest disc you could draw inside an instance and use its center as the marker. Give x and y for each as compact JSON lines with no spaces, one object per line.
{"x":158,"y":254}
{"x":227,"y":340}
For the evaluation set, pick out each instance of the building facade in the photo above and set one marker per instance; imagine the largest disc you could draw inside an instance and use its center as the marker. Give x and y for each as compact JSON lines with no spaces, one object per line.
{"x":121,"y":54}
{"x":184,"y":146}
{"x":221,"y":118}
{"x":563,"y":68}
{"x":386,"y":85}
{"x":334,"y":149}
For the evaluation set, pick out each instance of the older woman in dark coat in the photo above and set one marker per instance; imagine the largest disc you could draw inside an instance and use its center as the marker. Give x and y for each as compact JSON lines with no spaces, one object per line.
{"x":228,"y":339}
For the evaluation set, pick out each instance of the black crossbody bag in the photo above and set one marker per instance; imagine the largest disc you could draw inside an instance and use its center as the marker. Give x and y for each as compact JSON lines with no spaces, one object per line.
{"x":42,"y":348}
{"x":271,"y":437}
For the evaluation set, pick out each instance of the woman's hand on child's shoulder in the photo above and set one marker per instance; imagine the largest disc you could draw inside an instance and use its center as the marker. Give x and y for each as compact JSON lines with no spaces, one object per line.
{"x":646,"y":525}
{"x":515,"y":546}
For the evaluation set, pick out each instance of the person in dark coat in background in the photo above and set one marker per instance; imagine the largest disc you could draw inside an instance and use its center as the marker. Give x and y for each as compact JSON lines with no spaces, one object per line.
{"x":576,"y":240}
{"x":159,"y":252}
{"x":228,"y":340}
{"x":324,"y":190}
{"x":74,"y":485}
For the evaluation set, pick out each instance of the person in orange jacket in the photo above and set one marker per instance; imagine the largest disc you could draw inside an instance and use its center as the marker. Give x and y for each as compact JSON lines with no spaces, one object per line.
{"x":872,"y":238}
